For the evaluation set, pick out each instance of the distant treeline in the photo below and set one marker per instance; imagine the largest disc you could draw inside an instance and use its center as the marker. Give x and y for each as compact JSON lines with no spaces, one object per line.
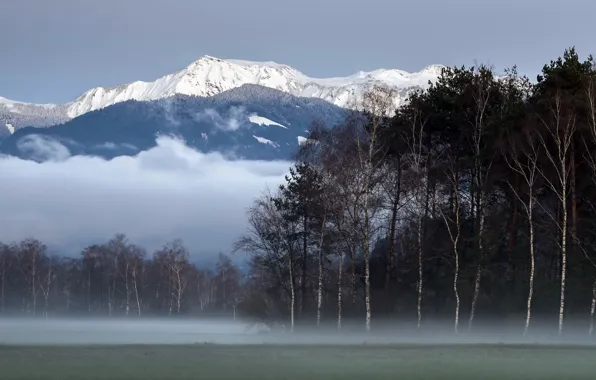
{"x":117,"y":278}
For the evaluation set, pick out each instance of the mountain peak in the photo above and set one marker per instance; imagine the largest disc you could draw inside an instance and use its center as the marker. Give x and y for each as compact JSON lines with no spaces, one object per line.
{"x":209,"y":75}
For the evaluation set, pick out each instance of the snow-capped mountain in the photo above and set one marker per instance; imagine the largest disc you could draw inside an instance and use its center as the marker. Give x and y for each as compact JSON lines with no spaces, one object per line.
{"x":209,"y":76}
{"x":250,"y":121}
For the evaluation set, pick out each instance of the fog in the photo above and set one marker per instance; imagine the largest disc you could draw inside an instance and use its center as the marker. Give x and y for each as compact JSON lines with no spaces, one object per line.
{"x":113,"y":331}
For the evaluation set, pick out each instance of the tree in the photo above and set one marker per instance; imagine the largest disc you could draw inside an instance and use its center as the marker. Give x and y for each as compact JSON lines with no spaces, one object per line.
{"x":376,"y":104}
{"x":555,"y":108}
{"x":175,"y":257}
{"x":522,"y":158}
{"x":31,"y":254}
{"x":273,"y":240}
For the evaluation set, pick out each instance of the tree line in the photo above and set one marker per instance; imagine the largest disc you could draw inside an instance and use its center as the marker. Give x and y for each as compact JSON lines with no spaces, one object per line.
{"x":115,"y":279}
{"x":476,"y":198}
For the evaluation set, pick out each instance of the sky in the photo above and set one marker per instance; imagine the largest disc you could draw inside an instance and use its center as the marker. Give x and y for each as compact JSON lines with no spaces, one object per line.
{"x":52,"y":51}
{"x":165,"y":193}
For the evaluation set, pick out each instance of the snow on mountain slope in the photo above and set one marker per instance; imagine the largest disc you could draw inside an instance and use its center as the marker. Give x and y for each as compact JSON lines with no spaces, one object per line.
{"x":263,"y":140}
{"x":210,"y":75}
{"x":256,"y":119}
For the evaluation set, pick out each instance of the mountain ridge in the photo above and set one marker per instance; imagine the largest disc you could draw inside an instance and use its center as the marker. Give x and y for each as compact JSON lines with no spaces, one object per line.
{"x":209,"y":76}
{"x":250,"y":121}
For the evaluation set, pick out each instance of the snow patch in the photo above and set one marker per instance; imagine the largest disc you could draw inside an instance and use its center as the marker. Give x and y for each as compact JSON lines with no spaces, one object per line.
{"x":256,"y":119}
{"x":10,"y":128}
{"x":263,"y":140}
{"x":303,"y":140}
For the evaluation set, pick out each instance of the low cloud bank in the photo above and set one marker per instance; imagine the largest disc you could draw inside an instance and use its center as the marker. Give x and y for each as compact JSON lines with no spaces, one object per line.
{"x":170,"y":191}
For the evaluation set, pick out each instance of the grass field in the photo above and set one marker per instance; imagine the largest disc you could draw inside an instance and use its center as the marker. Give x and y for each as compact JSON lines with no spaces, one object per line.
{"x":263,"y":362}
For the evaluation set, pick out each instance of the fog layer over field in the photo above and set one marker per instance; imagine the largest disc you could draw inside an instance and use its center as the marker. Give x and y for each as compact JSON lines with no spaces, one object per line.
{"x":219,"y":331}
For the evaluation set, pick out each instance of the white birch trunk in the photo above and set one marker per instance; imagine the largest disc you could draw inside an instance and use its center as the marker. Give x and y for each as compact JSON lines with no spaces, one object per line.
{"x":475,"y":296}
{"x":127,"y":287}
{"x":368,"y":317}
{"x":292,"y":293}
{"x":532,"y":266}
{"x":593,"y":308}
{"x":339,"y":290}
{"x":479,"y":269}
{"x":134,"y":274}
{"x":563,"y":254}
{"x":320,"y":282}
{"x":455,"y":287}
{"x":420,"y":284}
{"x":178,"y":292}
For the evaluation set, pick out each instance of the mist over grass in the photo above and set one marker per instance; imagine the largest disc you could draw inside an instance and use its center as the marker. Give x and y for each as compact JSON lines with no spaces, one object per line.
{"x":155,"y":331}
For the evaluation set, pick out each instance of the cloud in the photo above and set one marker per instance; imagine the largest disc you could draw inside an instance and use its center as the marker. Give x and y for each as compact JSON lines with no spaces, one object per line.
{"x":170,"y":191}
{"x":43,"y":148}
{"x":234,"y":119}
{"x":114,"y":146}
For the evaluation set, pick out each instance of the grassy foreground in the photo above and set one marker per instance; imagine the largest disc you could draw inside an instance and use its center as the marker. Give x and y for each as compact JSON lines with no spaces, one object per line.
{"x":263,"y":362}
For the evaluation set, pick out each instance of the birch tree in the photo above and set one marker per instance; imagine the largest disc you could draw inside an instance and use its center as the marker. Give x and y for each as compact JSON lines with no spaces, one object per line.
{"x":376,"y":104}
{"x":414,"y":137}
{"x":523,"y":159}
{"x":452,"y":220}
{"x":560,"y":128}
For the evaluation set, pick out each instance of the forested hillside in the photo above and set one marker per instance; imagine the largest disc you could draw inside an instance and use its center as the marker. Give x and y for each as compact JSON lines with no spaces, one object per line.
{"x":474,"y":200}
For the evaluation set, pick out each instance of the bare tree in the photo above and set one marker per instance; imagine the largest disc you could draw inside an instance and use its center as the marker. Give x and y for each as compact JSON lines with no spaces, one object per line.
{"x":273,"y":238}
{"x":523,"y":160}
{"x":177,"y":262}
{"x":481,"y":95}
{"x":45,"y":283}
{"x":376,"y":103}
{"x":452,"y":219}
{"x":31,"y":254}
{"x":135,"y":264}
{"x":417,"y":153}
{"x":560,"y":128}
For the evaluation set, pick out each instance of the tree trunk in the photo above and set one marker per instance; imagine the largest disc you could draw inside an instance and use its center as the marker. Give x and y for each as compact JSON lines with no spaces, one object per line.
{"x":304,"y":260}
{"x":593,"y":308}
{"x":367,"y":299}
{"x":482,"y":212}
{"x":127,"y":287}
{"x":33,"y":287}
{"x":391,"y":240}
{"x":134,"y":274}
{"x":455,"y":287}
{"x":339,"y":290}
{"x":419,"y":305}
{"x":320,"y":282}
{"x":292,"y":292}
{"x":563,"y":258}
{"x":532,"y":266}
{"x":573,"y":193}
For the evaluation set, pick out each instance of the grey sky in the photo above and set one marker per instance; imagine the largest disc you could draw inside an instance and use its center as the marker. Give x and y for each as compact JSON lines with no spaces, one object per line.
{"x":53,"y":50}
